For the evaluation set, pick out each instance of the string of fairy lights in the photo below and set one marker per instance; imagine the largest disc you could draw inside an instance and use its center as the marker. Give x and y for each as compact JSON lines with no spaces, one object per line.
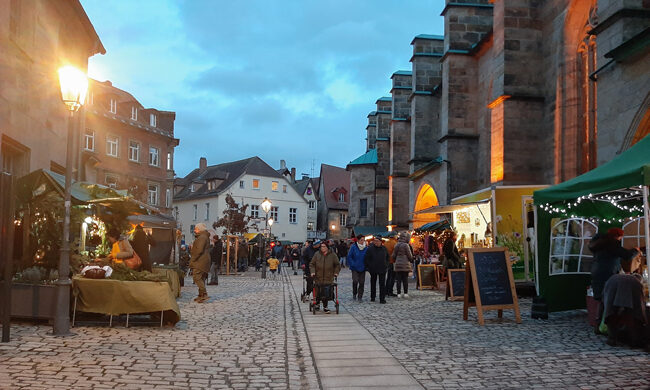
{"x":620,"y":201}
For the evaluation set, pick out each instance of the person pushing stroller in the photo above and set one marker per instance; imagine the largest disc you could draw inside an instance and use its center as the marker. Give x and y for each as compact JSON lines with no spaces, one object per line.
{"x":324,"y":267}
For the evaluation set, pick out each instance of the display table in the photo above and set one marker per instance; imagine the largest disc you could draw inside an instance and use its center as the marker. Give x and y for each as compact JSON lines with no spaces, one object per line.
{"x":171,"y":273}
{"x":115,"y":297}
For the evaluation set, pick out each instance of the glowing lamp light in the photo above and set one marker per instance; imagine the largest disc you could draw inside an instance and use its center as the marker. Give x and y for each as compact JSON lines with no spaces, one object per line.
{"x":74,"y":86}
{"x":333,"y":226}
{"x":270,"y":221}
{"x":266,"y":205}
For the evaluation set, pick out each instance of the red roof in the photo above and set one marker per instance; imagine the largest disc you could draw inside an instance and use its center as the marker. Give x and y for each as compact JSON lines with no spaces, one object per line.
{"x":335,"y":180}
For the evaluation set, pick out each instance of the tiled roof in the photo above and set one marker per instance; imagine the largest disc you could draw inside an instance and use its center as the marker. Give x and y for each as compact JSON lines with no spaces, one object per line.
{"x":333,"y":179}
{"x":370,"y":157}
{"x":228,"y":172}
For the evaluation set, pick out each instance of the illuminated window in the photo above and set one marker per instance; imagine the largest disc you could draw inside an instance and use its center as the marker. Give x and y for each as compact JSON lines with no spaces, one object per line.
{"x":256,"y":184}
{"x":274,"y":186}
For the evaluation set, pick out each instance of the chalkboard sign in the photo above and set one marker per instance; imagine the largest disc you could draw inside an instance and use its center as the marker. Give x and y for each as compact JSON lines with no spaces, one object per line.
{"x":427,"y":276}
{"x":455,"y":284}
{"x":489,"y":284}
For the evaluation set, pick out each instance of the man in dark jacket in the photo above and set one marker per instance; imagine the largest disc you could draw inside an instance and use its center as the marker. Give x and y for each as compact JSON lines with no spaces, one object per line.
{"x":140,"y":244}
{"x":215,"y":260}
{"x":307,"y":254}
{"x":342,"y":251}
{"x":200,"y":260}
{"x":452,"y":256}
{"x":376,"y":262}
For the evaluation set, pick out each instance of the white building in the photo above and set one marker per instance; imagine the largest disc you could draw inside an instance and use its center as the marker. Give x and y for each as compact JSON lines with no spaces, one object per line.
{"x":201,"y":197}
{"x":308,"y":188}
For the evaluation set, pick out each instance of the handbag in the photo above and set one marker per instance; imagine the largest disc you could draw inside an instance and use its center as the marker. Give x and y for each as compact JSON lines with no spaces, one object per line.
{"x":134,"y":262}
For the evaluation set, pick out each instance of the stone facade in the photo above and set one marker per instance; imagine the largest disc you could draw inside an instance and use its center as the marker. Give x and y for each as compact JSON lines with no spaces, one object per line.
{"x":33,"y":119}
{"x":520,"y":92}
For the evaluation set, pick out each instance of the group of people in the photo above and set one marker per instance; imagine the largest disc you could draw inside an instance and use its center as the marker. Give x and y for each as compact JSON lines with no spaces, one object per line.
{"x":123,"y":248}
{"x":617,"y":287}
{"x":387,"y":263}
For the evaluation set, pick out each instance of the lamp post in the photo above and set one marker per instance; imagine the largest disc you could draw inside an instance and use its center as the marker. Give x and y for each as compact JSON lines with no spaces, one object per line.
{"x":266,"y":207}
{"x":74,"y":86}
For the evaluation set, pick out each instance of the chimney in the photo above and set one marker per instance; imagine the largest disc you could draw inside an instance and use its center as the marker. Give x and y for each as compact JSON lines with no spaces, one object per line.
{"x":283,"y":164}
{"x":293,"y":175}
{"x":203,"y":164}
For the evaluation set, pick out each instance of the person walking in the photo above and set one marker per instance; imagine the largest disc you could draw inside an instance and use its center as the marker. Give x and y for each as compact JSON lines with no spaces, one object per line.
{"x":355,"y":260}
{"x":403,"y":258}
{"x":376,"y":262}
{"x":242,"y":253}
{"x":295,"y":258}
{"x":342,"y":251}
{"x":215,"y":260}
{"x":200,"y":260}
{"x":390,"y":275}
{"x":307,"y":254}
{"x":324,"y":267}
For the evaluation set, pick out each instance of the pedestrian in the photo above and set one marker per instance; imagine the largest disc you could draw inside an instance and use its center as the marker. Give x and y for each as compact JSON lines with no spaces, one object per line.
{"x":295,"y":258}
{"x":403,"y":257}
{"x":215,"y":260}
{"x":452,"y":258}
{"x":342,"y":251}
{"x":324,"y":266}
{"x":140,"y":244}
{"x":390,"y":276}
{"x":307,"y":254}
{"x":242,"y":253}
{"x":607,"y":251}
{"x":376,"y":262}
{"x":273,"y":265}
{"x":200,"y":260}
{"x":357,"y":267}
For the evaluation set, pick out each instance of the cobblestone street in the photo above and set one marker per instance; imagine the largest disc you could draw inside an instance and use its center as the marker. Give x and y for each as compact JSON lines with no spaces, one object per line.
{"x":251,"y":334}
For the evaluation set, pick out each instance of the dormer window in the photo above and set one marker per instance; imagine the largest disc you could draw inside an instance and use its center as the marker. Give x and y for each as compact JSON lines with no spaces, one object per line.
{"x":113,"y":107}
{"x":193,"y":187}
{"x":212,"y":185}
{"x":152,"y":120}
{"x":341,"y":197}
{"x":134,"y":113}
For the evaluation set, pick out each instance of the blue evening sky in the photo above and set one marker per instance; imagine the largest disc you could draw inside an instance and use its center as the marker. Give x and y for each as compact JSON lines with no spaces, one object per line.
{"x":290,"y":79}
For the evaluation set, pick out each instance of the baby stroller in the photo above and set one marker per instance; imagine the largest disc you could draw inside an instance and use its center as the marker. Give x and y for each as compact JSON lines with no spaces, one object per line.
{"x":325,"y":293}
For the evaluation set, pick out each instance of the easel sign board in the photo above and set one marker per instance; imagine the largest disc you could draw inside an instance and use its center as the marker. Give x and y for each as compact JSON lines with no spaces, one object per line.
{"x":455,"y":284}
{"x":427,"y":276}
{"x":489,"y":283}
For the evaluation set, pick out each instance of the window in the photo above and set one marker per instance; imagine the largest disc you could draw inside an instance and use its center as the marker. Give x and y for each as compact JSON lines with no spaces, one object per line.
{"x":196,"y":211}
{"x":153,"y":194}
{"x":154,"y":154}
{"x":152,"y":120}
{"x":168,"y":197}
{"x":363,"y":208}
{"x":310,"y":226}
{"x":312,"y":204}
{"x":342,"y":219}
{"x":341,"y":197}
{"x":570,"y":246}
{"x":274,"y":185}
{"x":169,"y":161}
{"x":274,"y":213}
{"x":112,"y":145}
{"x":292,"y":215}
{"x":192,"y":187}
{"x":284,"y":188}
{"x":256,"y":184}
{"x":207,"y":211}
{"x":113,"y":107}
{"x":134,"y":151}
{"x":255,"y":211}
{"x":134,"y":113}
{"x":212,"y":185}
{"x":241,"y":184}
{"x":111,"y":181}
{"x":89,"y":140}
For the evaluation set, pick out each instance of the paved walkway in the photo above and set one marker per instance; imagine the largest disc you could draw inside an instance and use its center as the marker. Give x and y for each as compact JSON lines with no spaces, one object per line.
{"x":346,"y":355}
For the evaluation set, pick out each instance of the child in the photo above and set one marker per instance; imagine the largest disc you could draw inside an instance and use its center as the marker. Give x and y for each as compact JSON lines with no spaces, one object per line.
{"x":273,"y":265}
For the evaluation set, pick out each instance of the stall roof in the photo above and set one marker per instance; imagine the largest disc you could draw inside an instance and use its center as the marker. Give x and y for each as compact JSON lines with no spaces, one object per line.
{"x":154,"y":221}
{"x":433,"y":226}
{"x":449,"y":208}
{"x":627,"y":170}
{"x":372,"y":231}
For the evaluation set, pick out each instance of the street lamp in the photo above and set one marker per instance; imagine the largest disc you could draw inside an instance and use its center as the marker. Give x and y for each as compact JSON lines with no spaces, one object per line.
{"x":74,"y":86}
{"x":266,"y":207}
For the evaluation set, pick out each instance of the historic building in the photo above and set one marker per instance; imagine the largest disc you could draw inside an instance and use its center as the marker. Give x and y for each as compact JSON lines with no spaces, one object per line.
{"x":334,"y":199}
{"x":522,"y":92}
{"x":37,"y":38}
{"x":201,"y":197}
{"x":308,"y":188}
{"x":127,"y":146}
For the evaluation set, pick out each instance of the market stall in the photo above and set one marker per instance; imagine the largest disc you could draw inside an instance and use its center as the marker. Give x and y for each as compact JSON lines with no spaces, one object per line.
{"x":568,"y":215}
{"x":162,"y":229}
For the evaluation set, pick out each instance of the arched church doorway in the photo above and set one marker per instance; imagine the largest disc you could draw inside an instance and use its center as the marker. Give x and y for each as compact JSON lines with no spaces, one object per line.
{"x":426,"y":198}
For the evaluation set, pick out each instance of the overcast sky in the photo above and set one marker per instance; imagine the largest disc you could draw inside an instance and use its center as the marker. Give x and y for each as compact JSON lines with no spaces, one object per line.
{"x":290,"y":80}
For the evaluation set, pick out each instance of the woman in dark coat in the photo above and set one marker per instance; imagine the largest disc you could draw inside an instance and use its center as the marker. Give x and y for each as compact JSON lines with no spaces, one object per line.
{"x":403,"y":257}
{"x":324,"y":266}
{"x":140,"y":244}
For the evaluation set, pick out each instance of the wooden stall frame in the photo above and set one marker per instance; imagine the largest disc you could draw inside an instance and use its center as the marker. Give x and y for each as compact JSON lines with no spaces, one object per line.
{"x":449,"y":294}
{"x":470,"y":273}
{"x":435,"y":273}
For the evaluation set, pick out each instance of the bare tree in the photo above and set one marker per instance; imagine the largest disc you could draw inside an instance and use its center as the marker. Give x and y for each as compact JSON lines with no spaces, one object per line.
{"x":234,"y":220}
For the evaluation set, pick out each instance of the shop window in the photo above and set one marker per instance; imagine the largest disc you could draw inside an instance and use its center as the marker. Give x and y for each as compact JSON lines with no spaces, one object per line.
{"x":570,"y":252}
